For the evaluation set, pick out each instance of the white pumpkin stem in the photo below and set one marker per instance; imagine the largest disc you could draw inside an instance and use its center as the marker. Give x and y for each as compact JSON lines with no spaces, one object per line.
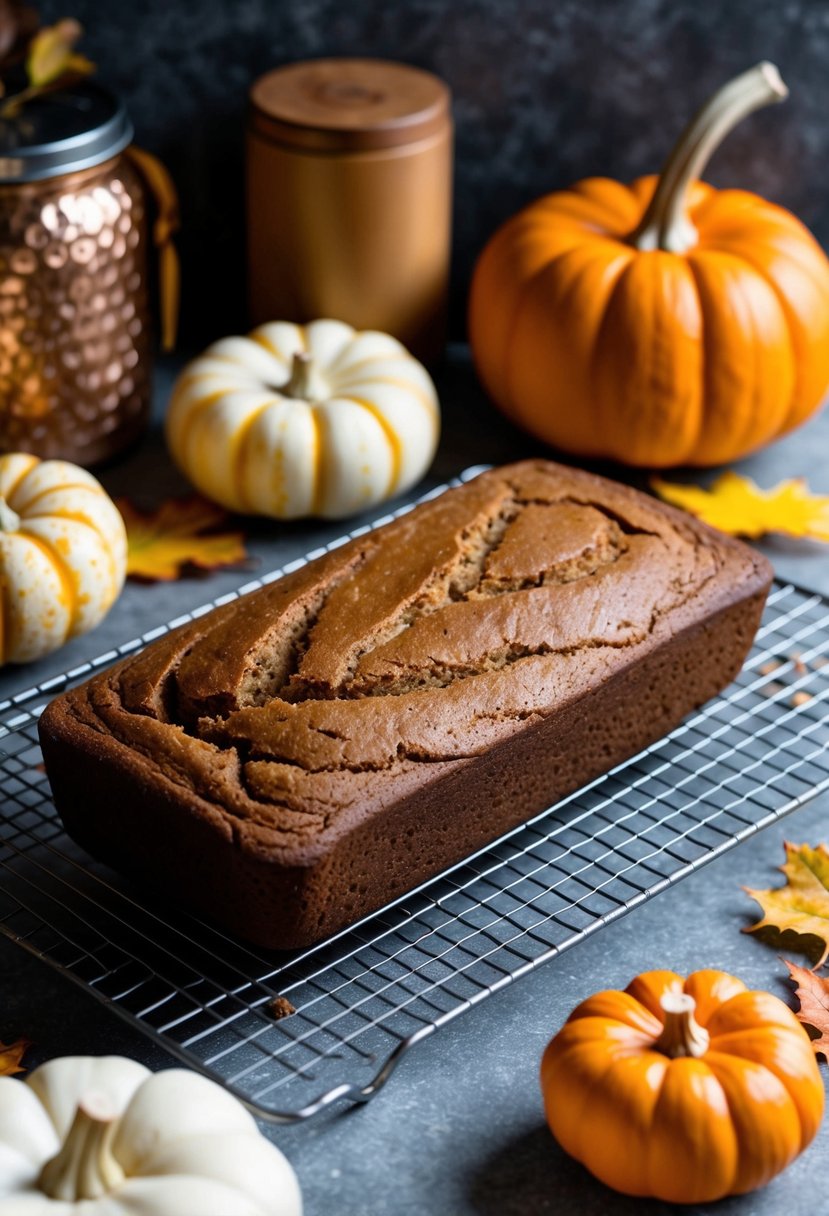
{"x":84,"y":1167}
{"x":304,"y":381}
{"x":9,"y":519}
{"x":682,"y":1034}
{"x":666,"y":224}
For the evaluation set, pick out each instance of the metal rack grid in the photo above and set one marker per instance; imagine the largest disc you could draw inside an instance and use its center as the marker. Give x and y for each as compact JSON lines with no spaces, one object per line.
{"x":364,"y":997}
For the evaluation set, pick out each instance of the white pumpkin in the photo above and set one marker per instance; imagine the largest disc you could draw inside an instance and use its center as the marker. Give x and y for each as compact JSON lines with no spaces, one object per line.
{"x":104,"y":1136}
{"x":303,"y":420}
{"x":63,"y":555}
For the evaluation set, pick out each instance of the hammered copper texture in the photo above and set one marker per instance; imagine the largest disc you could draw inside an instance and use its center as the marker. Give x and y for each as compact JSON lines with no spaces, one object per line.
{"x":74,"y":314}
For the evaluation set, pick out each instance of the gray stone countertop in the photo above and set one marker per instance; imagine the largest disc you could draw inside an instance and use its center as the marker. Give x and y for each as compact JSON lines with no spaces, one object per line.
{"x":459,"y":1129}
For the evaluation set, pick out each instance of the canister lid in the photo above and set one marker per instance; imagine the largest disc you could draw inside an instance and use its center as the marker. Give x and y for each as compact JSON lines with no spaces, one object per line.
{"x":77,"y":127}
{"x":338,"y":105}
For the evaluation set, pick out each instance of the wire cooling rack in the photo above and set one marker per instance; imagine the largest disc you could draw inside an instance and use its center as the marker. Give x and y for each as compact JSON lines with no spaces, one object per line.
{"x":291,"y":1034}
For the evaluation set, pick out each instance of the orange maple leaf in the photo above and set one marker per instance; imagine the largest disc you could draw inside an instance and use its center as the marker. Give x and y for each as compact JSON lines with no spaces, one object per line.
{"x":802,"y":903}
{"x":737,"y":505}
{"x":813,"y":994}
{"x":11,"y":1055}
{"x":182,"y":532}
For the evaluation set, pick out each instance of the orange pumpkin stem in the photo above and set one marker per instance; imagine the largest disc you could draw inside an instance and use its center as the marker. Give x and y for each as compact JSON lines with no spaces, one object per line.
{"x":84,"y":1167}
{"x":303,"y":382}
{"x":666,"y":223}
{"x":682,"y":1034}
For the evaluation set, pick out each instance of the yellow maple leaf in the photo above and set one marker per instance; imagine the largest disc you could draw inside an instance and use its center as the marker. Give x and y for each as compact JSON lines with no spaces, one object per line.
{"x":802,"y":903}
{"x":182,"y":532}
{"x":52,"y":54}
{"x":11,"y":1055}
{"x":737,"y":505}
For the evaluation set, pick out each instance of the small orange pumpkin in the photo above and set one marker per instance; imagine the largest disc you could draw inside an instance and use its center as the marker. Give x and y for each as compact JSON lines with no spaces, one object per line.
{"x":660,"y":323}
{"x":682,"y":1090}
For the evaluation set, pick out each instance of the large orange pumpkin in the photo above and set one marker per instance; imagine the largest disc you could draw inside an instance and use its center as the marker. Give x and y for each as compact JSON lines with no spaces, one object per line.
{"x":682,"y":1090}
{"x":660,"y":323}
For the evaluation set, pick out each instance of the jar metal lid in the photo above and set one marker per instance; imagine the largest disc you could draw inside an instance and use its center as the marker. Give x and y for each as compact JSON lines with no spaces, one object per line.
{"x":61,"y":132}
{"x":348,"y":105}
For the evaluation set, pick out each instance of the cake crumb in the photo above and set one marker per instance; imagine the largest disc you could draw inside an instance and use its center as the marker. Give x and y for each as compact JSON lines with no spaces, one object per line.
{"x":799,"y":666}
{"x":801,"y":698}
{"x":769,"y":667}
{"x":280,"y":1007}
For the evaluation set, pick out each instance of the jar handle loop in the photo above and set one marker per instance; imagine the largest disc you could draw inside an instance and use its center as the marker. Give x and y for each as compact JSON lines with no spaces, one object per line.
{"x":160,"y":185}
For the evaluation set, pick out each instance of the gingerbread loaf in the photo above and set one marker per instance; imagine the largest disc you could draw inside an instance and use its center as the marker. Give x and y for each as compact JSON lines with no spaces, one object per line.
{"x":298,"y":758}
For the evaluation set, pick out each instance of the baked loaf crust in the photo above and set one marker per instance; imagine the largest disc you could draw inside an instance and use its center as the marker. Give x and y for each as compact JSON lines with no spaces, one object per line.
{"x":295,"y":759}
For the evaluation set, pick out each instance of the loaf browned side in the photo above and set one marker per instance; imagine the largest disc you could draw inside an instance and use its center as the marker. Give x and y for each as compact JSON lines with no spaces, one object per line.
{"x":294,"y":760}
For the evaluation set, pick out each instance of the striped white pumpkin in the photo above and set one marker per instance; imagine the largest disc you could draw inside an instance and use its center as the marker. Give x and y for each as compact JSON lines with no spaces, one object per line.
{"x":303,"y":420}
{"x":63,"y":555}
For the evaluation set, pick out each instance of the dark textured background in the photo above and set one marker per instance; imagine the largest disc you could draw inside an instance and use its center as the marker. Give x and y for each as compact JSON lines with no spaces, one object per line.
{"x":546,"y":91}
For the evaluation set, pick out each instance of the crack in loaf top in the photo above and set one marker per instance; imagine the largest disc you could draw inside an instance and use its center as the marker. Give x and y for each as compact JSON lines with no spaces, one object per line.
{"x":414,"y":648}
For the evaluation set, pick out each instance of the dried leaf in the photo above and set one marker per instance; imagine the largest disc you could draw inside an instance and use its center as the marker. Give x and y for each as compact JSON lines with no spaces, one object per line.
{"x":182,"y":532}
{"x":802,"y":903}
{"x":11,"y":1055}
{"x":79,"y":65}
{"x":737,"y":505}
{"x":52,"y":54}
{"x":813,"y":994}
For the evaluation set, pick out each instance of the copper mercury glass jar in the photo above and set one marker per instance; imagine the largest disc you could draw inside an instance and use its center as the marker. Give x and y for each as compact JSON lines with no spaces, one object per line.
{"x":349,"y":197}
{"x":75,"y":325}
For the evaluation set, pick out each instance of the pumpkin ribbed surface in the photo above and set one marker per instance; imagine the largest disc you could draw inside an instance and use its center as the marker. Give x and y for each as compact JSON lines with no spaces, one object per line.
{"x":63,"y":552}
{"x":660,"y":323}
{"x":303,"y":420}
{"x":103,"y":1136}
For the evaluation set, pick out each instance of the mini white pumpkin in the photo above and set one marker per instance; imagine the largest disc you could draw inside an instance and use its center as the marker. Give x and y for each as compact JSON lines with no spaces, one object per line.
{"x":106,"y":1137}
{"x":303,"y":420}
{"x":63,"y":555}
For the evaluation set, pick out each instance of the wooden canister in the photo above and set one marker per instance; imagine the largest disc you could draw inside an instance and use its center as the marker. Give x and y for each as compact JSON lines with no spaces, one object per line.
{"x":349,"y":197}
